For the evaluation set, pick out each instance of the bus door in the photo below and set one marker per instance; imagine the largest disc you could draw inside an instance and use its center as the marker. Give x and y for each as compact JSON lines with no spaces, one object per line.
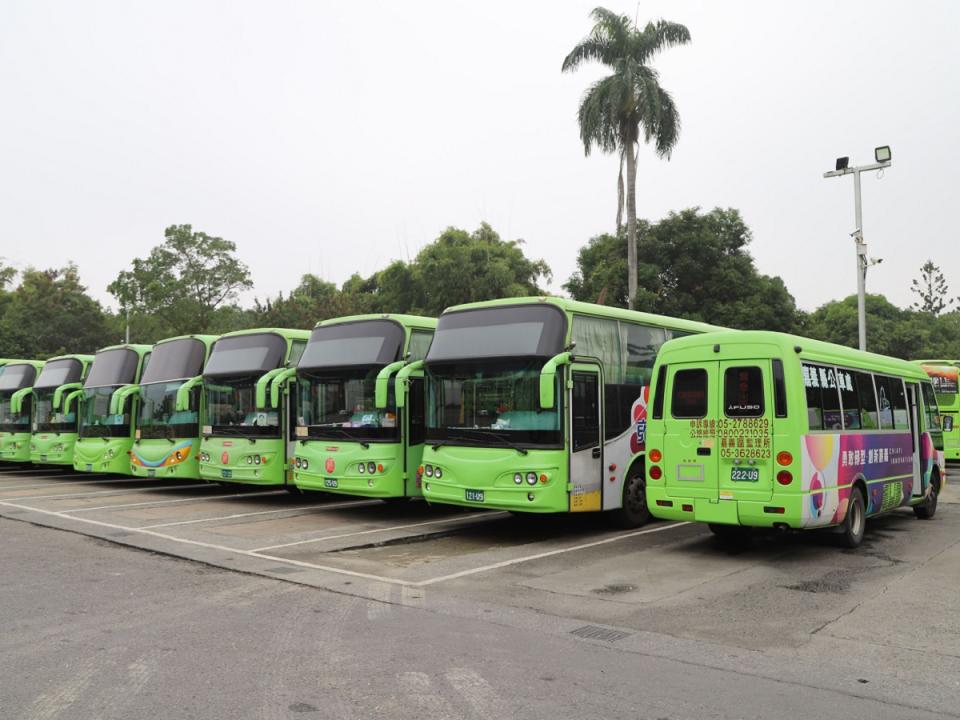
{"x":745,"y":430}
{"x":913,"y":414}
{"x":585,"y":437}
{"x":288,"y":427}
{"x":691,"y":403}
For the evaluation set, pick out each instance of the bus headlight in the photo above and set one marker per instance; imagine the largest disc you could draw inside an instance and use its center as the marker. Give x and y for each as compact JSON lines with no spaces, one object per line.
{"x":518,"y":478}
{"x":429,"y":471}
{"x":371,"y":468}
{"x":306,"y":463}
{"x":437,"y":473}
{"x":361,"y":468}
{"x":256,"y":459}
{"x":249,"y":460}
{"x":531,"y":478}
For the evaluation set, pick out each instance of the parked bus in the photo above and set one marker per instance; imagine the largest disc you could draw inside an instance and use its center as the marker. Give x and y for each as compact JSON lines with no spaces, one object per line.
{"x":16,"y":408}
{"x":248,"y":432}
{"x":539,"y":405}
{"x":945,"y":376}
{"x":106,"y":430}
{"x":56,"y":423}
{"x":351,"y":436}
{"x":763,"y":429}
{"x":167,"y":438}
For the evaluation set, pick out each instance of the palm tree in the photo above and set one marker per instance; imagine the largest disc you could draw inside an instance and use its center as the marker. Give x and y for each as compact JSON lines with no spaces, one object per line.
{"x":615,"y":110}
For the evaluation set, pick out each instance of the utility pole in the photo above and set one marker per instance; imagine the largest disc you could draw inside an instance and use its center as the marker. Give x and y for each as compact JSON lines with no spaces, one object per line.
{"x":883,"y":160}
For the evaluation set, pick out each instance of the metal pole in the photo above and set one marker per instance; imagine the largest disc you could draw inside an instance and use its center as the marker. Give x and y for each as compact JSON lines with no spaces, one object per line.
{"x":127,"y":341}
{"x":861,"y":263}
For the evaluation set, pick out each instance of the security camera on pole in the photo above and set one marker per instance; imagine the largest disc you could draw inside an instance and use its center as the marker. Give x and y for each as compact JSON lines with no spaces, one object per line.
{"x":883,"y":160}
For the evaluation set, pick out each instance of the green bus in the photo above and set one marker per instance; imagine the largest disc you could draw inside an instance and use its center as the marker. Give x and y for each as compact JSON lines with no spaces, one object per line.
{"x":248,"y":435}
{"x":351,"y":436}
{"x":539,"y":405}
{"x":16,"y":408}
{"x":107,"y":430}
{"x":945,"y":376}
{"x":764,"y":429}
{"x":56,"y":422}
{"x":167,"y":438}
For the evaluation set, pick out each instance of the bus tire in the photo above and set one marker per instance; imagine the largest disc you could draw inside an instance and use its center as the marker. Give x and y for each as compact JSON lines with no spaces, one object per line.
{"x":855,"y":521}
{"x":633,"y":511}
{"x":927,"y":509}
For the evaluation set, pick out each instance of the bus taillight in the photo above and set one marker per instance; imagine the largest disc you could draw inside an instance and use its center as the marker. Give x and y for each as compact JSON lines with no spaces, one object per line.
{"x":656,"y":456}
{"x":784,"y":458}
{"x":655,"y":472}
{"x":784,"y":477}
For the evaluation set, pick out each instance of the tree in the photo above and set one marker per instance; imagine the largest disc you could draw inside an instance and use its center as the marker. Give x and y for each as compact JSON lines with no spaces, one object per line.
{"x":185,"y":281}
{"x":692,"y":265}
{"x":932,"y":289}
{"x":50,"y":313}
{"x":615,"y":110}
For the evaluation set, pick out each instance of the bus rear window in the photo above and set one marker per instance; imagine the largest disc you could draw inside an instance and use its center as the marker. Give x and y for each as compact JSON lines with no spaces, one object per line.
{"x":689,"y":397}
{"x":743,"y":392}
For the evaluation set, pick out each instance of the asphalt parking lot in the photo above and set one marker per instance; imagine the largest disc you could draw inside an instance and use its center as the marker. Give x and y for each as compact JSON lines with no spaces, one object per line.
{"x":883,"y":620}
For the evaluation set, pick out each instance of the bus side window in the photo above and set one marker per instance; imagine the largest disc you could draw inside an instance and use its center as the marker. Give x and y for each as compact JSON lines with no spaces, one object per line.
{"x":867,"y":400}
{"x":743,"y":392}
{"x":849,"y":400}
{"x":416,"y":404}
{"x":296,"y":350}
{"x":419,"y":344}
{"x":823,"y":398}
{"x":660,"y":392}
{"x":898,"y":403}
{"x":779,"y":389}
{"x":689,"y":397}
{"x":930,"y":410}
{"x":586,"y":414}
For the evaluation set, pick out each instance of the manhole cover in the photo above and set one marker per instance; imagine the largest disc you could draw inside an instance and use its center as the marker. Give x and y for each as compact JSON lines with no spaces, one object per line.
{"x":596,"y":632}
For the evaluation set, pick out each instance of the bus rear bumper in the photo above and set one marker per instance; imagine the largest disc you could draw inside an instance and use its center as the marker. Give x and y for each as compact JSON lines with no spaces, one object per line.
{"x":778,"y":512}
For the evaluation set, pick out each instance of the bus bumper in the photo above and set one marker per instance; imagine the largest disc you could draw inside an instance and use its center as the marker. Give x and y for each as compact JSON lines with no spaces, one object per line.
{"x":779,"y":512}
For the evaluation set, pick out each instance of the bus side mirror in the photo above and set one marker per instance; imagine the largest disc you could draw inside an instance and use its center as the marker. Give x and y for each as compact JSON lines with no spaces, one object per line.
{"x":400,"y":387}
{"x":381,"y":389}
{"x":548,"y":377}
{"x":946,"y":423}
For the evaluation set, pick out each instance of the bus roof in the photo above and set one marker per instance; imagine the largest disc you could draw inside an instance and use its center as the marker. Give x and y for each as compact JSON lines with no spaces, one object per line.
{"x":72,"y":356}
{"x":737,"y":344}
{"x":138,"y":349}
{"x":207,"y":340}
{"x":36,"y":363}
{"x":951,"y":363}
{"x":287,"y":333}
{"x":415,"y":321}
{"x":584,"y":308}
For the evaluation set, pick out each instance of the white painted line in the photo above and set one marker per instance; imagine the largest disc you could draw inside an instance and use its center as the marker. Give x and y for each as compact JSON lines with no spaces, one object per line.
{"x":548,"y":553}
{"x":481,"y":518}
{"x":307,"y":508}
{"x":76,"y":482}
{"x":202,"y":498}
{"x":106,"y":493}
{"x":212,"y":546}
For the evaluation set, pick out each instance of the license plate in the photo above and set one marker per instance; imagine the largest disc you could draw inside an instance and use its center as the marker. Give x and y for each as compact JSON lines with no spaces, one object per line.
{"x":43,"y":458}
{"x":745,"y":474}
{"x":475,"y":495}
{"x":330,"y":482}
{"x":89,"y":467}
{"x":151,"y":473}
{"x":226,"y":473}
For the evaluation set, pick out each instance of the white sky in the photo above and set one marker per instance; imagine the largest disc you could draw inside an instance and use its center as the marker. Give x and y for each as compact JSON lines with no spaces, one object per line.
{"x":334,"y":137}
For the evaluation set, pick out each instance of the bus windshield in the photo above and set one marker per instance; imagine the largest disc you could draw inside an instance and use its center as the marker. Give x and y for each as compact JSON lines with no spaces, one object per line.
{"x":498,"y":332}
{"x":175,"y":360}
{"x":232,"y":409}
{"x":46,"y":419}
{"x":17,"y":377}
{"x":159,"y":417}
{"x":368,"y":342}
{"x":246,"y":355}
{"x":477,"y":403}
{"x":59,"y":372}
{"x":341,"y":404}
{"x":95,"y":417}
{"x":113,"y":367}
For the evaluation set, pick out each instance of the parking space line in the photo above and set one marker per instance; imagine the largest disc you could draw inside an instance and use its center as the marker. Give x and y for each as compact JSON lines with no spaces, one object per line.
{"x":107,"y":493}
{"x":483,"y":518}
{"x":212,"y":546}
{"x":307,"y":508}
{"x":548,"y":553}
{"x":202,"y":498}
{"x":74,"y":482}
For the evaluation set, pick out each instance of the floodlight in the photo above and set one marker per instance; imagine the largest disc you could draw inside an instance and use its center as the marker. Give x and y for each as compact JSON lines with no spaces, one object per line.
{"x":882,"y":153}
{"x":842,"y":163}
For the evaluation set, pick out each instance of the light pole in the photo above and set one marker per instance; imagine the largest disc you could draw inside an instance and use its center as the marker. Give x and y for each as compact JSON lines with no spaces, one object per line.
{"x":883,"y":160}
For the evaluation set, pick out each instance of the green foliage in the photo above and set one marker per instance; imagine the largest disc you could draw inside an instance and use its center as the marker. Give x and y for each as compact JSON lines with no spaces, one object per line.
{"x":932,"y":290}
{"x":182,"y":285}
{"x":891,"y":330}
{"x":49,"y":314}
{"x":691,"y":265}
{"x":457,"y":267}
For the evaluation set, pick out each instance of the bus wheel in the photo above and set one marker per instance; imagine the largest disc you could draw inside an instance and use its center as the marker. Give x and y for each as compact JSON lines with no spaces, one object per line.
{"x":855,"y":521}
{"x":928,"y":507}
{"x":633,"y":511}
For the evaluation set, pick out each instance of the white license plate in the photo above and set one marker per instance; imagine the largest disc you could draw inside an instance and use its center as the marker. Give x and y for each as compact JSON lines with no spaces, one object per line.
{"x":331,"y":482}
{"x":745,"y":474}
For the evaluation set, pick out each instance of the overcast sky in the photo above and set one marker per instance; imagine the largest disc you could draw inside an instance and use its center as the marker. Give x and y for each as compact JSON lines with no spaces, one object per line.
{"x":335,"y":137}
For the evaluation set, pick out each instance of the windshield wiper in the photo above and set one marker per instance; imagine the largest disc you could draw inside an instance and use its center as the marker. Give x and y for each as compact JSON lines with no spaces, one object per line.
{"x":350,"y":436}
{"x":495,"y":436}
